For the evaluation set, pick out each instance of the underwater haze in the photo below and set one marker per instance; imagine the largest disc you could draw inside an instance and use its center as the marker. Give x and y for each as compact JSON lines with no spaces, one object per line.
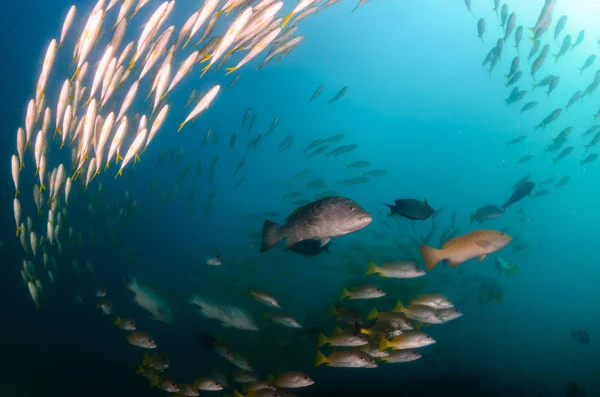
{"x":387,"y":197}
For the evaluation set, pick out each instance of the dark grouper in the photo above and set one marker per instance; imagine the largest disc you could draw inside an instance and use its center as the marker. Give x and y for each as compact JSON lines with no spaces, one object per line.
{"x":319,"y":220}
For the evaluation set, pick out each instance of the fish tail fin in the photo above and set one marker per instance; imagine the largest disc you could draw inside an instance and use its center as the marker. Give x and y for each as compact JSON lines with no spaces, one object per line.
{"x":287,"y":19}
{"x":373,"y":314}
{"x":399,"y":307}
{"x":392,"y":209}
{"x":345,"y":293}
{"x":118,"y":321}
{"x":146,"y":360}
{"x":140,"y":370}
{"x":75,"y":74}
{"x":372,"y":268}
{"x":334,"y":311}
{"x":154,"y":380}
{"x":384,"y":344}
{"x":322,"y":340}
{"x":271,"y":235}
{"x":238,"y":394}
{"x":321,"y":359}
{"x":180,"y":126}
{"x":431,"y":256}
{"x":205,"y":69}
{"x":230,"y":70}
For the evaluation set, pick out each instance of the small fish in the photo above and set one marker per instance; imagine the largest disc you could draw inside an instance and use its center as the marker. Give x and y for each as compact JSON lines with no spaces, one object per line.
{"x":125,"y":323}
{"x":285,"y":320}
{"x":516,"y":140}
{"x":343,"y":338}
{"x":588,"y":62}
{"x":529,"y":106}
{"x":358,"y":164}
{"x":408,"y":340}
{"x":401,"y":356}
{"x":141,"y":339}
{"x":411,"y":209}
{"x":266,"y":298}
{"x":317,"y":92}
{"x":487,"y":212}
{"x":541,"y":193}
{"x":560,"y":25}
{"x":434,"y":301}
{"x":481,"y":29}
{"x":368,"y":291}
{"x":563,"y":181}
{"x":291,"y":380}
{"x":399,"y":270}
{"x":208,"y":384}
{"x":158,"y":361}
{"x":579,"y":39}
{"x":346,"y":359}
{"x":339,"y":95}
{"x":565,"y":152}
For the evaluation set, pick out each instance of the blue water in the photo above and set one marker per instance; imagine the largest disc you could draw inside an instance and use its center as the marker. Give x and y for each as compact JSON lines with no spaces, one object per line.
{"x":419,"y":105}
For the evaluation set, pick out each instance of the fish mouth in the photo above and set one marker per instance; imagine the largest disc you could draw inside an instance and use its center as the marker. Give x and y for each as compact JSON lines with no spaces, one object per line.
{"x":365,"y":219}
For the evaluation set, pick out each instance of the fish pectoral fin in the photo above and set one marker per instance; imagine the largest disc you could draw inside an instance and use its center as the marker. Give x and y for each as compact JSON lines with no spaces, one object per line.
{"x":324,"y":241}
{"x":482,"y":257}
{"x":483,"y":244}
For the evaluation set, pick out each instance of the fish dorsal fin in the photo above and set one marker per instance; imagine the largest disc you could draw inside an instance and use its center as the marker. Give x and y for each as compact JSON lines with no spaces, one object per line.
{"x":425,"y":201}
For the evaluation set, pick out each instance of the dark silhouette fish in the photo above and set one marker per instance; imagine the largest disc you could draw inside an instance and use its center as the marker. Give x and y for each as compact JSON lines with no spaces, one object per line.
{"x":581,"y":336}
{"x":309,"y":248}
{"x":411,"y":209}
{"x":521,"y":191}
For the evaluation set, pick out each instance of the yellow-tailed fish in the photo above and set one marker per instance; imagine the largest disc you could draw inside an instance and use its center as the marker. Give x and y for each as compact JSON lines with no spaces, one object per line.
{"x":83,"y":71}
{"x":206,"y":11}
{"x":15,"y":168}
{"x":118,"y":35}
{"x":125,"y":53}
{"x":230,"y":36}
{"x":76,"y":95}
{"x":202,"y":105}
{"x":29,"y":121}
{"x":62,"y":103}
{"x":59,"y":180}
{"x":39,"y":107}
{"x":281,"y":48}
{"x":67,"y":24}
{"x":66,"y":124}
{"x":149,"y":28}
{"x":185,"y":67}
{"x":117,"y":141}
{"x":186,"y":28}
{"x":46,"y":120}
{"x":21,"y":145}
{"x":91,"y":171}
{"x":104,"y":134}
{"x":68,"y":183}
{"x":260,"y":46}
{"x":128,"y":99}
{"x":101,"y":71}
{"x":133,"y":150}
{"x":299,"y":7}
{"x":107,"y":79}
{"x":305,"y":13}
{"x":46,"y":69}
{"x":162,"y":81}
{"x":158,"y":122}
{"x":33,"y":291}
{"x":42,"y":172}
{"x":124,"y":10}
{"x":38,"y":150}
{"x":157,"y":51}
{"x":90,"y":35}
{"x":113,"y":85}
{"x":17,"y":213}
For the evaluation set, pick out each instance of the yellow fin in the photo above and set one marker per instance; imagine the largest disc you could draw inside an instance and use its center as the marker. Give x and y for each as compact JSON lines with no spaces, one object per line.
{"x":287,"y":19}
{"x":373,"y":314}
{"x":321,"y":341}
{"x":154,"y":380}
{"x":321,"y":359}
{"x":180,"y":126}
{"x":334,"y":311}
{"x":372,"y":268}
{"x":230,"y":70}
{"x":399,"y":307}
{"x":237,"y":394}
{"x":118,"y":321}
{"x":345,"y":293}
{"x":271,"y":379}
{"x":136,"y":158}
{"x":205,"y":69}
{"x":337,"y":329}
{"x":118,"y":158}
{"x":146,"y":360}
{"x":383,"y":344}
{"x":140,"y":370}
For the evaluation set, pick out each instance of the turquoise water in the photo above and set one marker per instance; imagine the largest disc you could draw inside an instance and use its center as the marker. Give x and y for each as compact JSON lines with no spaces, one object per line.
{"x":419,"y":105}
